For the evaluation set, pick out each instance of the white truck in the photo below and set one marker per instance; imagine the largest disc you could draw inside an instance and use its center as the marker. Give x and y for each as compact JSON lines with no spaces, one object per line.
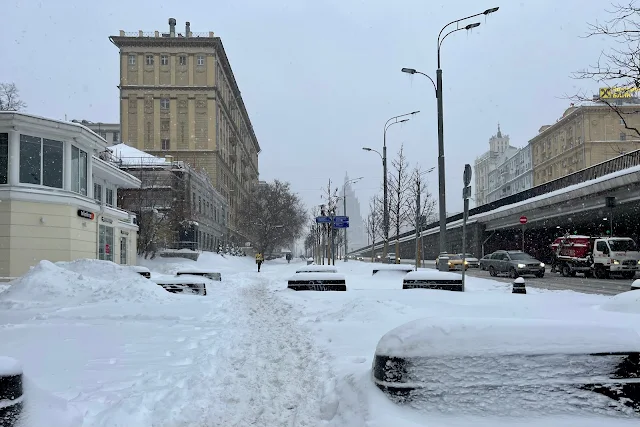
{"x":595,"y":256}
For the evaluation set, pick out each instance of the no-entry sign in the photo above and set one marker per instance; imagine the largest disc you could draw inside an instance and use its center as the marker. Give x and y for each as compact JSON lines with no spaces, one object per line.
{"x":523,"y":219}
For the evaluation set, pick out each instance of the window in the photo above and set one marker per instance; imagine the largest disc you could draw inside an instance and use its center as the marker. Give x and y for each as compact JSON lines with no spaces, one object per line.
{"x":200,"y":60}
{"x":164,"y":103}
{"x":623,"y":136}
{"x":149,"y":59}
{"x":103,"y":134}
{"x":116,"y":137}
{"x":166,"y":144}
{"x":41,"y":161}
{"x":199,"y":204}
{"x":182,"y":59}
{"x":164,"y":60}
{"x":97,"y":192}
{"x":132,"y":59}
{"x":108,"y":199}
{"x":622,"y":122}
{"x":123,"y":250}
{"x":4,"y":158}
{"x":105,"y":243}
{"x":78,"y":170}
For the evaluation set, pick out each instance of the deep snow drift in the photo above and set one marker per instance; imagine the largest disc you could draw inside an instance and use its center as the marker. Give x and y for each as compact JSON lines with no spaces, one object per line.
{"x":103,"y":346}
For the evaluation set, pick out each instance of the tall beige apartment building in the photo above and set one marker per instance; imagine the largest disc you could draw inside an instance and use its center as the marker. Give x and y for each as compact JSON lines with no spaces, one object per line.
{"x":586,"y":134}
{"x":179,"y":98}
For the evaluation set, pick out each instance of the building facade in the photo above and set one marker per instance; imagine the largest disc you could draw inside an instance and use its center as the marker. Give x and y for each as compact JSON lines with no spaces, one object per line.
{"x":511,"y":175}
{"x":585,"y":135}
{"x":178,"y":96}
{"x":178,"y":206}
{"x":58,"y":196}
{"x":499,"y":150}
{"x":110,"y":132}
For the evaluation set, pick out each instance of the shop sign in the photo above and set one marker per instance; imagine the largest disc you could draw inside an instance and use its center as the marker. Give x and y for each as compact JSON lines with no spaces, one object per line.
{"x":86,"y":214}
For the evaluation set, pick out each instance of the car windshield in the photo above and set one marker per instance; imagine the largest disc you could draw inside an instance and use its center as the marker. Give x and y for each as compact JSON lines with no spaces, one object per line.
{"x":520,"y":255}
{"x":454,"y":257}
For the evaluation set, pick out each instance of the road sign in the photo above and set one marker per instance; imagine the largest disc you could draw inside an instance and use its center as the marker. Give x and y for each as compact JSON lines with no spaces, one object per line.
{"x":523,"y":219}
{"x":338,"y":219}
{"x":341,"y":225}
{"x":323,"y":219}
{"x":466,"y":177}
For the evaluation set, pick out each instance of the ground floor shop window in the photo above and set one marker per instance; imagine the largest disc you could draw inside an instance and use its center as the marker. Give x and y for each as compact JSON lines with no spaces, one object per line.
{"x":123,"y":250}
{"x":105,"y":242}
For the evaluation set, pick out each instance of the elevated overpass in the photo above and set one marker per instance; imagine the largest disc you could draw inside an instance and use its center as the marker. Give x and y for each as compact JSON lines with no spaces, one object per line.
{"x":574,"y":203}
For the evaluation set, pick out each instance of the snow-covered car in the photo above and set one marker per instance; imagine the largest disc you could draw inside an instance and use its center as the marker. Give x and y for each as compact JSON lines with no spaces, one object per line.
{"x":472,"y":261}
{"x":511,"y":366}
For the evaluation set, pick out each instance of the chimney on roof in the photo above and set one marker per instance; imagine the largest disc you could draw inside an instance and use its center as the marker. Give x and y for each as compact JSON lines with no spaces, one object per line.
{"x":172,"y":27}
{"x":187,"y":29}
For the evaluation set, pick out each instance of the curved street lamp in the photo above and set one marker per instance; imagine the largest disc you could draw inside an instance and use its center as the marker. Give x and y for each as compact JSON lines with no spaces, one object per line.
{"x":441,"y":172}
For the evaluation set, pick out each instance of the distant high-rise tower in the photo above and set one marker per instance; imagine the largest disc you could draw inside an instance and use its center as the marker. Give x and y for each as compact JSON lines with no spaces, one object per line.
{"x":179,"y":97}
{"x":357,"y":232}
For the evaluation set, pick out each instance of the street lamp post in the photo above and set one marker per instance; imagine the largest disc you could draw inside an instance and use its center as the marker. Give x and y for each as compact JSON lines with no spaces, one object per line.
{"x":344,"y":206}
{"x":441,"y":171}
{"x":385,"y":217}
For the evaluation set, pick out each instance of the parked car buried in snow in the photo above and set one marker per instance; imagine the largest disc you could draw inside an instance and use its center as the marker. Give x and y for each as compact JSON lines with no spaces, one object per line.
{"x":184,"y":284}
{"x":510,"y":366}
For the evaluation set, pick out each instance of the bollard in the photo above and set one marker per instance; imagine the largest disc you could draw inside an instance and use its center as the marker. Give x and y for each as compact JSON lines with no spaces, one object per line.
{"x":635,"y":286}
{"x":519,"y":287}
{"x":10,"y":392}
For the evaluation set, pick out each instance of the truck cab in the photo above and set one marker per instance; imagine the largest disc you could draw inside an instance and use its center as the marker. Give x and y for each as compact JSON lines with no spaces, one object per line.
{"x":617,"y":255}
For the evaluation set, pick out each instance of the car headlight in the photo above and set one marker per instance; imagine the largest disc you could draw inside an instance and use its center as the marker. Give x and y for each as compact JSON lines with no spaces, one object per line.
{"x":466,"y":262}
{"x":521,"y":266}
{"x":615,"y":261}
{"x":542,"y":264}
{"x":639,"y":261}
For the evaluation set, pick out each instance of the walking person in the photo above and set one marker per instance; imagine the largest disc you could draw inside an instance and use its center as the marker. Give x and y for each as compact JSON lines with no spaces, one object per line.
{"x":259,"y":260}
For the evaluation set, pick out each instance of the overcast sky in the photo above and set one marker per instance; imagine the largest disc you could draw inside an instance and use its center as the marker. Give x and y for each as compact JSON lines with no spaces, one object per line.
{"x":320,"y":77}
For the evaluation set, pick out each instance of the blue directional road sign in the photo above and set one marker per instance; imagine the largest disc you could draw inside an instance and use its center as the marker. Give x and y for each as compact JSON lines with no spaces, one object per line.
{"x":339,"y":219}
{"x":341,"y":225}
{"x":323,"y":219}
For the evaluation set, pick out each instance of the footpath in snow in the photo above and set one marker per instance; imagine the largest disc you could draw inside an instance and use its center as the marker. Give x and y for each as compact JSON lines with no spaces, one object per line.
{"x":102,"y":346}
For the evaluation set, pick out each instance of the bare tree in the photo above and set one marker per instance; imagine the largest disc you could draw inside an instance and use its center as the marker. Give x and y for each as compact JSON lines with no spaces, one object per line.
{"x":157,"y":206}
{"x":272,"y":216}
{"x":428,"y":203}
{"x":373,"y":225}
{"x":10,"y":98}
{"x":398,"y":190}
{"x":618,"y":68}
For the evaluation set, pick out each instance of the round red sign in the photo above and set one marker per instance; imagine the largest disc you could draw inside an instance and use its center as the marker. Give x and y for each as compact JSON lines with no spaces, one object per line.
{"x":523,"y":220}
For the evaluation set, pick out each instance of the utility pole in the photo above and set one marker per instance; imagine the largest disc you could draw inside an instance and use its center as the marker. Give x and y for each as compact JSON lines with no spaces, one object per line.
{"x":417,"y":255}
{"x":466,"y":194}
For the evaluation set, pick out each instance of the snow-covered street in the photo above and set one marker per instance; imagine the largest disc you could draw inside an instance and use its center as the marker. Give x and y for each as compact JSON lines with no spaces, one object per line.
{"x":102,"y":346}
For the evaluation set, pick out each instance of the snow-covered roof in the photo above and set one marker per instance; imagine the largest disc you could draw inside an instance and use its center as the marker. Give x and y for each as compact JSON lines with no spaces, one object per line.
{"x":131,"y":156}
{"x":451,"y":336}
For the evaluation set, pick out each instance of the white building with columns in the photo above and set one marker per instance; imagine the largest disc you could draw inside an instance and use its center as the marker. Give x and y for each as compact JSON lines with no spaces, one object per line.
{"x":59,"y":197}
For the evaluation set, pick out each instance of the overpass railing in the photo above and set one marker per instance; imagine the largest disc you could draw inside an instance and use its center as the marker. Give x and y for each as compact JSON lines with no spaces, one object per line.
{"x":607,"y":167}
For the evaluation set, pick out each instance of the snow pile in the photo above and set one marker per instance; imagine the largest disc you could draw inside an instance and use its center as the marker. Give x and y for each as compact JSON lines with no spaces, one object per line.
{"x":9,"y":366}
{"x":80,"y":282}
{"x":451,"y":336}
{"x":626,"y":302}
